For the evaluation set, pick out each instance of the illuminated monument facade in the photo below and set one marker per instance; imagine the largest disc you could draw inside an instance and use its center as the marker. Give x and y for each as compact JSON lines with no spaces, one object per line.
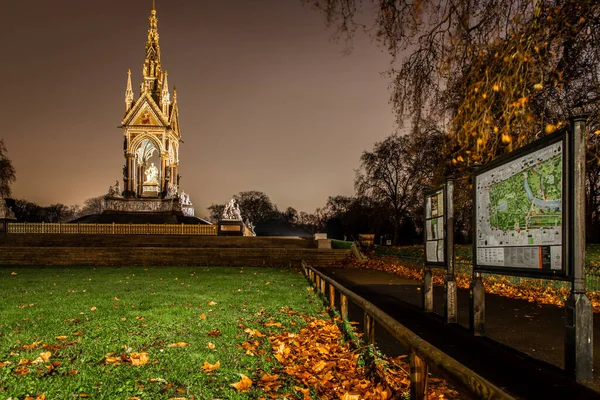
{"x":151,"y":139}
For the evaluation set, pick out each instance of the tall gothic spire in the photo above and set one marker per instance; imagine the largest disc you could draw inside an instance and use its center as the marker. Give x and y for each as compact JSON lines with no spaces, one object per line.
{"x":152,"y":68}
{"x":128,"y":92}
{"x":165,"y":97}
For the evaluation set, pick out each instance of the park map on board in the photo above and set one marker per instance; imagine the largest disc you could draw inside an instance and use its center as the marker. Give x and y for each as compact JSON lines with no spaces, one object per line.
{"x":519,"y":207}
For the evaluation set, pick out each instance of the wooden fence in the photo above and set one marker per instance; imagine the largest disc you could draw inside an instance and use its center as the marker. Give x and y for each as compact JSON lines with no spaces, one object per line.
{"x":113,"y":229}
{"x":423,"y":356}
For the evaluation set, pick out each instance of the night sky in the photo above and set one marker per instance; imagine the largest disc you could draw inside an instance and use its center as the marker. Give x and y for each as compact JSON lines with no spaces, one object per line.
{"x":267,"y":100}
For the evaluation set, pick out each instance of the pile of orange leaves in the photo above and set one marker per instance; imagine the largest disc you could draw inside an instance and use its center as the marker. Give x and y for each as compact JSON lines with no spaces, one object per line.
{"x":134,"y":358}
{"x":42,"y":364}
{"x":318,"y":358}
{"x":315,"y":362}
{"x":532,"y":290}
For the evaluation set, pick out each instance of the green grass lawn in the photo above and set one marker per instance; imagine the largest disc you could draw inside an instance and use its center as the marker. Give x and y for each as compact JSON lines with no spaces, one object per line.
{"x":81,"y":315}
{"x":341,"y":244}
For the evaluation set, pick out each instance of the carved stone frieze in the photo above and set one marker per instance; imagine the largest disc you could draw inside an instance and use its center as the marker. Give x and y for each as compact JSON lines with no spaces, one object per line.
{"x":159,"y":205}
{"x":188,"y":210}
{"x":171,"y":191}
{"x":136,"y":205}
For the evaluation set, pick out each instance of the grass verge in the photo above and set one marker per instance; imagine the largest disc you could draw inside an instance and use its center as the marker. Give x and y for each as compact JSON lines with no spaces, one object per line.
{"x":145,"y":333}
{"x":341,"y":244}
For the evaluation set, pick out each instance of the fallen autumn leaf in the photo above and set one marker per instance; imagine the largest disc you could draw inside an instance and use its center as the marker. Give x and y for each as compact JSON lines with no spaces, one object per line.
{"x":244,"y":384}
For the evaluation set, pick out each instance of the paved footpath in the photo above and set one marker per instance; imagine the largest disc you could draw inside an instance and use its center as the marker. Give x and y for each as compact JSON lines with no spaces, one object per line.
{"x":523,"y":352}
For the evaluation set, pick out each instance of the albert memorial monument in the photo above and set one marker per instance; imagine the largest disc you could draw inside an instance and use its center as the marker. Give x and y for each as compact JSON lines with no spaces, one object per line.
{"x":151,"y":140}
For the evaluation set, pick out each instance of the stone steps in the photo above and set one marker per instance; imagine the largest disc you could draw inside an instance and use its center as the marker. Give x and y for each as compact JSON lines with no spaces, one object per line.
{"x":170,"y":241}
{"x":162,"y":256}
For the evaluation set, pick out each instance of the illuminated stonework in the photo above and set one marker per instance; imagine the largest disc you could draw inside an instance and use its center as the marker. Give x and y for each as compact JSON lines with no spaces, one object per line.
{"x":232,"y":211}
{"x":151,"y":174}
{"x":151,"y":126}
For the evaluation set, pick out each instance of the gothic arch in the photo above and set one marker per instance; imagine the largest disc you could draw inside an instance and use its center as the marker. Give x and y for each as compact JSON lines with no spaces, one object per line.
{"x":139,"y":139}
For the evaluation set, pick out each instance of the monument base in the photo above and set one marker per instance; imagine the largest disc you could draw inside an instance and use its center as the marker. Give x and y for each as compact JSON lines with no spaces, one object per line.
{"x":148,"y":205}
{"x":231,"y":228}
{"x":144,"y":211}
{"x":150,"y":190}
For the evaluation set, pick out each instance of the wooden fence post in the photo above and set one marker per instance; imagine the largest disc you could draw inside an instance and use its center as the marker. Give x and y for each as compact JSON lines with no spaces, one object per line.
{"x":369,"y":328}
{"x":344,"y":306}
{"x":331,"y":296}
{"x":418,"y":377}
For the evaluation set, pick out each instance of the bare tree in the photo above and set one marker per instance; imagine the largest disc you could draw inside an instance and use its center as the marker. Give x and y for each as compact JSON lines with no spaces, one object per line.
{"x":395,"y":173}
{"x":499,"y":73}
{"x":7,"y":172}
{"x":216,"y":212}
{"x":290,"y":215}
{"x":94,"y":205}
{"x":255,"y":206}
{"x":26,"y":211}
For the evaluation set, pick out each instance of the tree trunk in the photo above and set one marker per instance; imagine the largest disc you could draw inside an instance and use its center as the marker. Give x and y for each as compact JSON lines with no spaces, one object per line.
{"x":396,"y":231}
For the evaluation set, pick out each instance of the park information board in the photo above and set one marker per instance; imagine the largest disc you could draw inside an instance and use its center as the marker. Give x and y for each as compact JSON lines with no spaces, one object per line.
{"x":519,"y":211}
{"x":434,"y":227}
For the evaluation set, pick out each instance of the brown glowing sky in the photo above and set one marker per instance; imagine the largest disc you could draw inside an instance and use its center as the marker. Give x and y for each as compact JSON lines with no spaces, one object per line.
{"x":267,"y":100}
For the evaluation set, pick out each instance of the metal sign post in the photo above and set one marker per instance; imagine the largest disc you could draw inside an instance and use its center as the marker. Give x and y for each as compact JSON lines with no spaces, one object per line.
{"x":450,"y":312}
{"x":578,"y":309}
{"x":476,"y":289}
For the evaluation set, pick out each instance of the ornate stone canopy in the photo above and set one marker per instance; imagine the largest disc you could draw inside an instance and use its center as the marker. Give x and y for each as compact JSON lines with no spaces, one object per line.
{"x":151,"y":140}
{"x":151,"y":127}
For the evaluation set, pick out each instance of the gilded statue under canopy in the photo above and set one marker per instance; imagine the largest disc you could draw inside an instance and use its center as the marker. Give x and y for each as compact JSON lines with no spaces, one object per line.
{"x":151,"y":174}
